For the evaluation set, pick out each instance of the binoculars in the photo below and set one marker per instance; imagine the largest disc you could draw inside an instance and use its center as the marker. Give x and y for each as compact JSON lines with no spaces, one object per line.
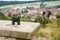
{"x":16,"y":18}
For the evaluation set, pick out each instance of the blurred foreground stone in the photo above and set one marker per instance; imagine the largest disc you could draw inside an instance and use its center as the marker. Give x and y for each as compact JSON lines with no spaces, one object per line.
{"x":25,"y":31}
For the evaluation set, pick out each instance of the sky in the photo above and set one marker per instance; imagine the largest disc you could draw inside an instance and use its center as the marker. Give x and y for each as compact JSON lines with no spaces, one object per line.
{"x":17,"y":0}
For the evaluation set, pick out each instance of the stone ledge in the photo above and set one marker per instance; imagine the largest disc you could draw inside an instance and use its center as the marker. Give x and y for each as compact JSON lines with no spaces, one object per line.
{"x":25,"y":30}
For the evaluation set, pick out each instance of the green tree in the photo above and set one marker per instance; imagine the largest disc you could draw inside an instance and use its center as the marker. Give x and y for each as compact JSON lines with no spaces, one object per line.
{"x":1,"y":14}
{"x":24,"y":11}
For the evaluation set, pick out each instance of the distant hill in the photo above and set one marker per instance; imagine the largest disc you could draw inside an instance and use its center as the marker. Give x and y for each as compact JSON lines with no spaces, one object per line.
{"x":48,"y":0}
{"x":2,"y":3}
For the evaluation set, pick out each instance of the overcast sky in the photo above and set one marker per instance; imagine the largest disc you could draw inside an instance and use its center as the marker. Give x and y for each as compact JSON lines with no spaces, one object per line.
{"x":17,"y":0}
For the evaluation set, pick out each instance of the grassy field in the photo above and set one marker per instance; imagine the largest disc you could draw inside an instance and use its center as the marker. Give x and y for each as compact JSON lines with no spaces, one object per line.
{"x":51,"y":31}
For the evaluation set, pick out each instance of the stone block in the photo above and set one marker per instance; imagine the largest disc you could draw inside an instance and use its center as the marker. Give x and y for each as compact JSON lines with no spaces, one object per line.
{"x":25,"y":30}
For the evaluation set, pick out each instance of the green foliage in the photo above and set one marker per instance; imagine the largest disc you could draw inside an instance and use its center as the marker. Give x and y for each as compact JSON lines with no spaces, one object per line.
{"x":58,"y":15}
{"x":52,"y":25}
{"x":58,"y":18}
{"x":41,"y":5}
{"x":39,"y":19}
{"x":2,"y":17}
{"x":58,"y":22}
{"x":30,"y":7}
{"x":41,"y":33}
{"x":24,"y":11}
{"x":1,"y":14}
{"x":25,"y":19}
{"x":42,"y":20}
{"x":22,"y":19}
{"x":58,"y":6}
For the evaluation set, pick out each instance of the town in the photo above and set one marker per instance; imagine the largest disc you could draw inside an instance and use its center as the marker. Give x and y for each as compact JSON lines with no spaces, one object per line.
{"x":30,"y":20}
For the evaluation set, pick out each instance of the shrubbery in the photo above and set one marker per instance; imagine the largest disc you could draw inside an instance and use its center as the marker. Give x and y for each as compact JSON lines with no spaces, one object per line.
{"x":1,"y":14}
{"x":58,"y":15}
{"x":42,"y":20}
{"x":24,"y":11}
{"x":2,"y":17}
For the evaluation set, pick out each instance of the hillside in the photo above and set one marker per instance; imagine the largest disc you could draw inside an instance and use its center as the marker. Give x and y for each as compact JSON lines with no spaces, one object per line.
{"x":21,"y":2}
{"x":15,"y":2}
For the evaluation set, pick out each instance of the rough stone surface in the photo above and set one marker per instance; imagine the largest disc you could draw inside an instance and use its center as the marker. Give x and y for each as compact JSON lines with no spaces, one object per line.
{"x":25,"y":30}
